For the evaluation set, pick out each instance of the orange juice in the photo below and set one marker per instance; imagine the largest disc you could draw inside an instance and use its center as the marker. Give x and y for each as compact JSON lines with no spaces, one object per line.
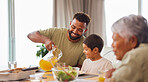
{"x":46,"y":65}
{"x":101,"y":79}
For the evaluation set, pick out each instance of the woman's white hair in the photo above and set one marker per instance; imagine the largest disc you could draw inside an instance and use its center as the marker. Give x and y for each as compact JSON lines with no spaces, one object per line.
{"x":131,"y":25}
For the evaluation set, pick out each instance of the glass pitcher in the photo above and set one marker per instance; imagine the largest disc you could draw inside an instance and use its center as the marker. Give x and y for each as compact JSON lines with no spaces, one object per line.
{"x":49,"y":60}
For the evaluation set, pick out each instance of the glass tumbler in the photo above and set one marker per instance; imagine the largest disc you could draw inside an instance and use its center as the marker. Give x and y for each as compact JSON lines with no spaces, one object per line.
{"x":12,"y":64}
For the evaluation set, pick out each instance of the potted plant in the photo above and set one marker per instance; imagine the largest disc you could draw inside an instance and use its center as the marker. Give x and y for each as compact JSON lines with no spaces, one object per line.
{"x":42,"y":51}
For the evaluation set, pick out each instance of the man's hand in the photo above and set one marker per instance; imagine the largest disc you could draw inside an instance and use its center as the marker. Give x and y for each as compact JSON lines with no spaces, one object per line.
{"x":48,"y":44}
{"x":108,"y":74}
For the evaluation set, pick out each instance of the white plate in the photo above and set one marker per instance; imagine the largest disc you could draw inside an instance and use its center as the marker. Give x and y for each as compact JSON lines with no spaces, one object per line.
{"x":15,"y":76}
{"x":81,"y":73}
{"x":4,"y":73}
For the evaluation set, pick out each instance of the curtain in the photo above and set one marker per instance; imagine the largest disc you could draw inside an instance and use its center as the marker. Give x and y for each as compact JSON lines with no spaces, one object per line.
{"x":65,"y":9}
{"x":95,"y":8}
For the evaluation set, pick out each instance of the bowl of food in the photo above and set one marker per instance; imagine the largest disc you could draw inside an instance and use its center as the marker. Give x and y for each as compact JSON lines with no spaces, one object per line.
{"x":65,"y":73}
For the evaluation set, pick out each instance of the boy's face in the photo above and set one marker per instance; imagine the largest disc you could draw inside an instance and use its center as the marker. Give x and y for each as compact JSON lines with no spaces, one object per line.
{"x":90,"y":54}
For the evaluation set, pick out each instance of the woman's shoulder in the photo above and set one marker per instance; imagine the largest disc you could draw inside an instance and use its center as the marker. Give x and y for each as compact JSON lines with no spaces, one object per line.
{"x":139,"y":51}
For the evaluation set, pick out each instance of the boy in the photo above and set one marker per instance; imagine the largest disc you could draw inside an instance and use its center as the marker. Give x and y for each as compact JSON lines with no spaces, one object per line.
{"x":93,"y":45}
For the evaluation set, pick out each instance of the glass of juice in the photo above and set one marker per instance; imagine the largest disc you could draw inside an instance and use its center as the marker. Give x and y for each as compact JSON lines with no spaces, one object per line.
{"x":101,"y":76}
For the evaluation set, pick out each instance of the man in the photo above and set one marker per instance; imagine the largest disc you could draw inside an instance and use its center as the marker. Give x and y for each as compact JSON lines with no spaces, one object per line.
{"x":68,"y":40}
{"x":130,"y":44}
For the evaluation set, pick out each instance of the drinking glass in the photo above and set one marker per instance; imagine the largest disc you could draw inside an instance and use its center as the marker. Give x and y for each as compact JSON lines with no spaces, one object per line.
{"x":101,"y":76}
{"x":12,"y":64}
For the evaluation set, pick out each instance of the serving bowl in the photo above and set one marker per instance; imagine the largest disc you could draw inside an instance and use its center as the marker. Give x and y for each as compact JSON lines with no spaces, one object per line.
{"x":65,"y":74}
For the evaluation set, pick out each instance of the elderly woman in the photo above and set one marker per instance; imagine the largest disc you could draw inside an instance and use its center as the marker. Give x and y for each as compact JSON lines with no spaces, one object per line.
{"x":130,"y":44}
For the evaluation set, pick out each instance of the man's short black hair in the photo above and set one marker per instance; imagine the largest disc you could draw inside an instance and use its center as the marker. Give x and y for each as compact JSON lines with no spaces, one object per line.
{"x":82,"y":17}
{"x":93,"y":41}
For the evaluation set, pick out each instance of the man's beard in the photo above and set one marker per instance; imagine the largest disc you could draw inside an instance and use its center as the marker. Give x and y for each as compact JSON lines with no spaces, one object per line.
{"x":74,"y":38}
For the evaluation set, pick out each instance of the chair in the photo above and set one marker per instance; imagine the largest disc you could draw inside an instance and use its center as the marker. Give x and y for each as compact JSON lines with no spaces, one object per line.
{"x":107,"y":52}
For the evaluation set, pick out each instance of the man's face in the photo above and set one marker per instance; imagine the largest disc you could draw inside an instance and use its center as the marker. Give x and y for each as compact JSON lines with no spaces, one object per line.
{"x":120,"y":46}
{"x":76,"y":29}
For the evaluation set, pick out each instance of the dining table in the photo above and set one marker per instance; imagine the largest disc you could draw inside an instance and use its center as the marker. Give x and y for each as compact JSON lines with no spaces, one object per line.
{"x":43,"y":76}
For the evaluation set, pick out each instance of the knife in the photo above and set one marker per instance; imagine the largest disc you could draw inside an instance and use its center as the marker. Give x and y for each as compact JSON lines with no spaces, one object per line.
{"x":31,"y":68}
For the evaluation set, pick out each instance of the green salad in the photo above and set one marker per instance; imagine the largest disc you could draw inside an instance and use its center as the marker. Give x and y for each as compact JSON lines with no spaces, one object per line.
{"x":62,"y":76}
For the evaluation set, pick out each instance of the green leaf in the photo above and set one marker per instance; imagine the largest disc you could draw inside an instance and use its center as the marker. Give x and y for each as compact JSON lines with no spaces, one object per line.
{"x":42,"y":45}
{"x":38,"y":54}
{"x":70,"y":68}
{"x":38,"y":45}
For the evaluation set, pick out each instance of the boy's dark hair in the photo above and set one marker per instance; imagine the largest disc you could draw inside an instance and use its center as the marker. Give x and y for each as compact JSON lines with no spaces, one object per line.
{"x":82,"y":17}
{"x":93,"y":41}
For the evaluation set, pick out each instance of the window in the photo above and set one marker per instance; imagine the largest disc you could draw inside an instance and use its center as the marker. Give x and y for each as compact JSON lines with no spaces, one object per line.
{"x":30,"y":15}
{"x":144,"y":9}
{"x":115,"y":9}
{"x":3,"y":34}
